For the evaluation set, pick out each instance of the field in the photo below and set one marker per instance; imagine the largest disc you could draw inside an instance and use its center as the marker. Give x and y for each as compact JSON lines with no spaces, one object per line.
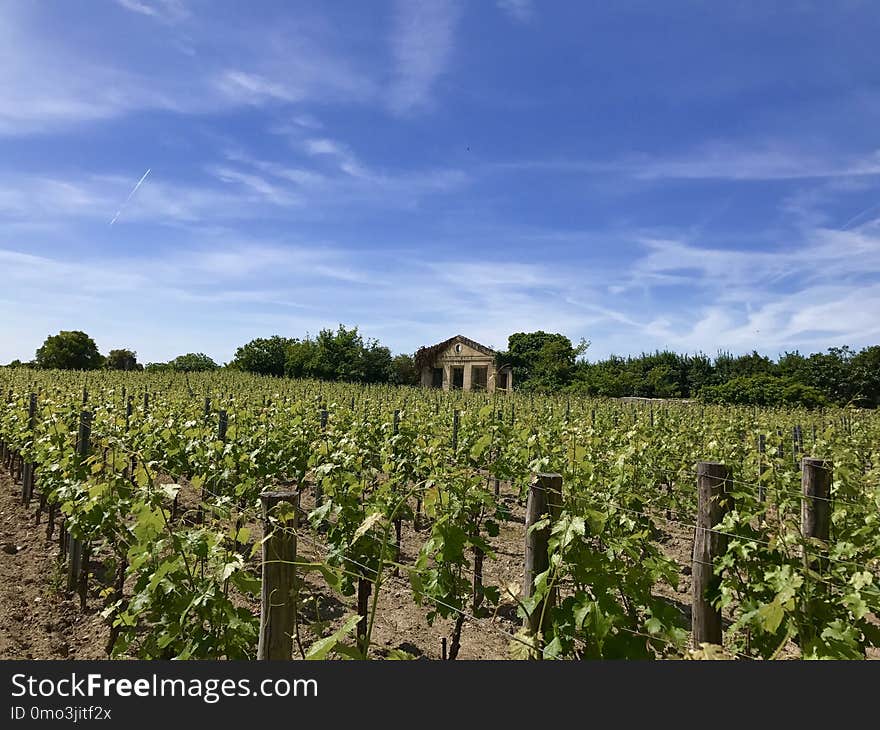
{"x":136,"y":523}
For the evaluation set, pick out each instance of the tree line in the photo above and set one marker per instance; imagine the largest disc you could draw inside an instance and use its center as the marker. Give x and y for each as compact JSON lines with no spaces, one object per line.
{"x":548,"y":362}
{"x":541,"y":362}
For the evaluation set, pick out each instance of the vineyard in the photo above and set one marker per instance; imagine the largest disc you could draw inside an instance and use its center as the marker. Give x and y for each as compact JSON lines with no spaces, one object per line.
{"x":231,"y":516}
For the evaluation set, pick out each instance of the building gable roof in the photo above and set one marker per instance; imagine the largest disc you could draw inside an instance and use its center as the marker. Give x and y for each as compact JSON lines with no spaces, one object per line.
{"x":427,"y":356}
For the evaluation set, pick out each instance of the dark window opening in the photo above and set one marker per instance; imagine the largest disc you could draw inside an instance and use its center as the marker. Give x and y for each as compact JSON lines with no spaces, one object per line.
{"x":437,"y":378}
{"x":458,"y":378}
{"x":478,"y":377}
{"x":502,"y":381}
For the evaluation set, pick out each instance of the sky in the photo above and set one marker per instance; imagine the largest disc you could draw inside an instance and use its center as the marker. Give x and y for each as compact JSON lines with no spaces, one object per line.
{"x":698,"y":176}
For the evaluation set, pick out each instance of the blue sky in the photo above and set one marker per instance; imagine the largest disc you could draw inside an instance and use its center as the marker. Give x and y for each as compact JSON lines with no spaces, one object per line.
{"x":691,"y":175}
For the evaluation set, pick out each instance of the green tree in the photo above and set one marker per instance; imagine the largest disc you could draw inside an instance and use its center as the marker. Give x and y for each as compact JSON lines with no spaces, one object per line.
{"x":541,"y":360}
{"x":865,"y":376}
{"x":69,"y":350}
{"x":122,"y":360}
{"x":376,"y":363}
{"x":301,"y":359}
{"x":404,"y":371}
{"x":340,"y":354}
{"x":263,"y":355}
{"x":193,"y":362}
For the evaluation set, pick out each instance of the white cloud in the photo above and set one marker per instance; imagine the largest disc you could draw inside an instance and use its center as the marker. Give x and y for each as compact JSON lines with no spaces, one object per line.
{"x":48,"y":81}
{"x":169,"y":11}
{"x":732,"y":161}
{"x":250,"y":88}
{"x":519,"y":10}
{"x":422,"y":44}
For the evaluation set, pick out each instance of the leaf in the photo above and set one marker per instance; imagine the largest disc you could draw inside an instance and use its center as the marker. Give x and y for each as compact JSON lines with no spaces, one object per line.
{"x":246,"y":583}
{"x":169,"y":490}
{"x":770,"y":615}
{"x":553,"y":650}
{"x":400,"y":655}
{"x":368,"y":523}
{"x":479,"y":448}
{"x":320,"y":649}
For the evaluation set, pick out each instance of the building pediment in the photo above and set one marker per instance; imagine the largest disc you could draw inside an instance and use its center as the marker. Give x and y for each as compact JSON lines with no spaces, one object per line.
{"x":455,"y":347}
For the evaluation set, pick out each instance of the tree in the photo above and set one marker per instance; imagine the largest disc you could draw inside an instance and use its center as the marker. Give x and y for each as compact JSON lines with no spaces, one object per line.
{"x":541,"y":360}
{"x":69,"y":350}
{"x":376,"y":363}
{"x":122,"y":360}
{"x":865,"y":376}
{"x":340,"y":354}
{"x":263,"y":355}
{"x":193,"y":363}
{"x":404,"y":371}
{"x":302,"y":359}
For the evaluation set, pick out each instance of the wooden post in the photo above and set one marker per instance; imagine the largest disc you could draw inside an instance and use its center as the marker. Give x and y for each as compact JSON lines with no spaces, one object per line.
{"x":27,"y":487}
{"x":712,"y":479}
{"x":319,"y":491}
{"x":222,"y":425}
{"x":207,"y":406}
{"x":75,"y":557}
{"x":364,"y":589}
{"x":398,"y":522}
{"x":762,"y":467}
{"x":816,"y":504}
{"x":455,"y":432}
{"x":278,"y":607}
{"x":545,"y":498}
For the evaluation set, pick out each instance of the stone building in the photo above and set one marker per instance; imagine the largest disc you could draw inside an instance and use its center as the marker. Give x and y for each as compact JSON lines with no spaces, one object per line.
{"x":462,"y":364}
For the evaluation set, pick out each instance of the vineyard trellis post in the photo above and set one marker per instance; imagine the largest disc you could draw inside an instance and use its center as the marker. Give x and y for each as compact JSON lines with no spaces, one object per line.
{"x":762,"y":467}
{"x":27,"y":487}
{"x":279,"y":590}
{"x":712,"y":503}
{"x":816,"y":503}
{"x":222,"y":425}
{"x":77,"y":563}
{"x":545,"y":498}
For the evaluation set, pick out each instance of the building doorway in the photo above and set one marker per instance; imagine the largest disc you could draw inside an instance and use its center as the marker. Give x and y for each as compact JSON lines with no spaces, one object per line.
{"x":437,"y":378}
{"x":479,"y":376}
{"x":457,"y":378}
{"x":502,"y":381}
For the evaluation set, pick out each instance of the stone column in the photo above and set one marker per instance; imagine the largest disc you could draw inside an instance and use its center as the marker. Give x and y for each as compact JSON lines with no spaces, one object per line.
{"x":466,"y":384}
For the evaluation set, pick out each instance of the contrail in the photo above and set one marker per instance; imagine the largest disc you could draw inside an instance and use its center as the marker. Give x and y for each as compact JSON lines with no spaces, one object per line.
{"x":133,"y":191}
{"x":852,"y":220}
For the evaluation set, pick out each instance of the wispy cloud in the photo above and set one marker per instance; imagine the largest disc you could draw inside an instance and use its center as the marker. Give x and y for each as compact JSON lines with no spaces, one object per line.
{"x":731,"y":161}
{"x":422,"y":43}
{"x":250,"y":88}
{"x":519,"y":10}
{"x":49,"y":82}
{"x":169,"y":11}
